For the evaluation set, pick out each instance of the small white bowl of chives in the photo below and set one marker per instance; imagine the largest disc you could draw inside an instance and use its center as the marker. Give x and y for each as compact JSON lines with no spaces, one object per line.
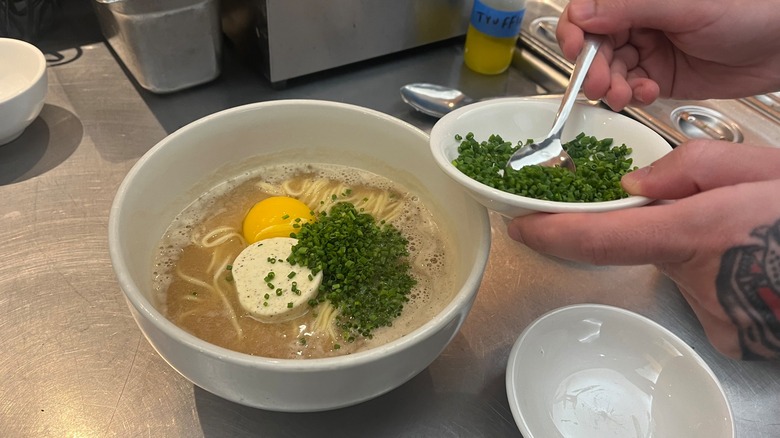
{"x":461,"y":142}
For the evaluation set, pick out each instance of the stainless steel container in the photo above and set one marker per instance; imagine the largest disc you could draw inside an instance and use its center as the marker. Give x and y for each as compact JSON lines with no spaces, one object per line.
{"x":290,"y":38}
{"x":166,"y":45}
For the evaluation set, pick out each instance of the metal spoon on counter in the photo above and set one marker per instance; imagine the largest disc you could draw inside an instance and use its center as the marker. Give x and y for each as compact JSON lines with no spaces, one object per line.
{"x":438,"y":100}
{"x":434,"y":100}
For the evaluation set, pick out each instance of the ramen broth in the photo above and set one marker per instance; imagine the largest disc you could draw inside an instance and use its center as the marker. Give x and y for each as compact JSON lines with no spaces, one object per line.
{"x":192,"y":282}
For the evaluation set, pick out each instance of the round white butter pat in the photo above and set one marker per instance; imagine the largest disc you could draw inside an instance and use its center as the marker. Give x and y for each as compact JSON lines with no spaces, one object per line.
{"x":270,"y":288}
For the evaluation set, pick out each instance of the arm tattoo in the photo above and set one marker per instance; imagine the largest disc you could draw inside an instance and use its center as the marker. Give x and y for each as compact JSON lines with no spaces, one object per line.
{"x":748,"y":287}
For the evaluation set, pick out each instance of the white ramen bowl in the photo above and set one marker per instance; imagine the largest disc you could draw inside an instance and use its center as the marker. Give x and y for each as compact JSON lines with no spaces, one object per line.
{"x":596,"y":371}
{"x":192,"y":159}
{"x":523,"y":118}
{"x":23,"y":86}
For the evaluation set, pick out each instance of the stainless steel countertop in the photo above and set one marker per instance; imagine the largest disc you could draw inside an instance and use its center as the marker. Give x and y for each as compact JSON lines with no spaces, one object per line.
{"x":73,"y":362}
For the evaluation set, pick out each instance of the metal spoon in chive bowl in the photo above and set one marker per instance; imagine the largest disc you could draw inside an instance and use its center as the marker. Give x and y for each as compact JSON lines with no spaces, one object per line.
{"x":549,"y":152}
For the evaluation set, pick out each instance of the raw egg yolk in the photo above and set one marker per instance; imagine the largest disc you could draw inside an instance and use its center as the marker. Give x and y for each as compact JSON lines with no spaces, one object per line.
{"x":276,"y":216}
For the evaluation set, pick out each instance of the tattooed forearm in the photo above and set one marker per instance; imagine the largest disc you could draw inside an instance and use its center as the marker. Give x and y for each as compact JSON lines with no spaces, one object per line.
{"x":748,"y":285}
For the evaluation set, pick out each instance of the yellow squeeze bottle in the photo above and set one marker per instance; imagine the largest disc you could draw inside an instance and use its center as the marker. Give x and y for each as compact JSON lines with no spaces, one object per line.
{"x":492,"y":35}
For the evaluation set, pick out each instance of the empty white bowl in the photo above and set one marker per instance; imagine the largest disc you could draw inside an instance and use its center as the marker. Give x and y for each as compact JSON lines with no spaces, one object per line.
{"x":596,"y":371}
{"x":233,"y":141}
{"x":23,"y":86}
{"x":518,"y":119}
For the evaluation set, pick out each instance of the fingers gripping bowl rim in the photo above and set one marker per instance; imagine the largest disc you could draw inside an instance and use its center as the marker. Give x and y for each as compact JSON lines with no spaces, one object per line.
{"x":518,"y":119}
{"x":174,"y":169}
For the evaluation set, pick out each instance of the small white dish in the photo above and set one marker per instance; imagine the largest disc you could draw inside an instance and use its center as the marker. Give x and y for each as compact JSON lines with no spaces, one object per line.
{"x":596,"y":371}
{"x":523,"y":118}
{"x":23,"y":86}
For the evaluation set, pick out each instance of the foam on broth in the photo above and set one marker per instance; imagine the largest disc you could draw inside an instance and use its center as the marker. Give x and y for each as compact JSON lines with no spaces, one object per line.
{"x":218,"y":317}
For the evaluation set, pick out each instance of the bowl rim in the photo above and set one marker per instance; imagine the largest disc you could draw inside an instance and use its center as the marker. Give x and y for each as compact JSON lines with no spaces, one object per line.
{"x":132,"y":291}
{"x":514,"y":355}
{"x":437,"y":145}
{"x":40,"y":67}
